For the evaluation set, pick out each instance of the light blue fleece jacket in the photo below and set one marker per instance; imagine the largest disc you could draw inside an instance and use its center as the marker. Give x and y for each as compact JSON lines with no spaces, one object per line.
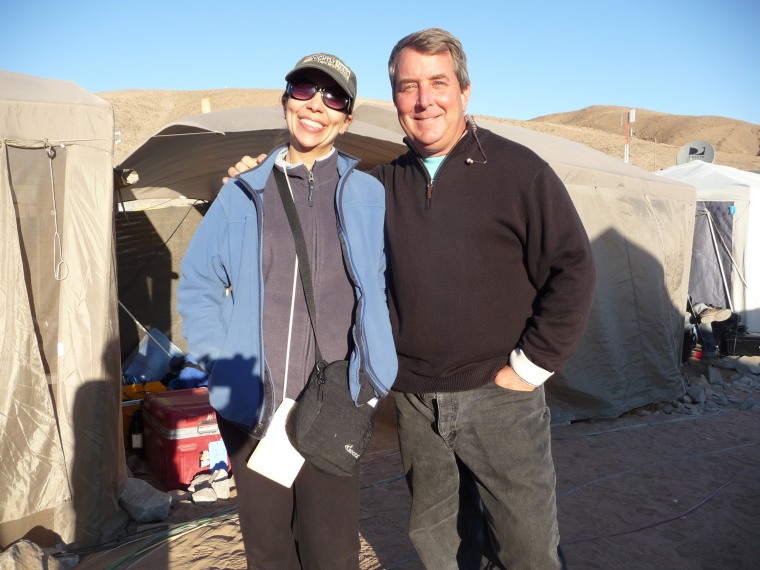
{"x":221,"y":293}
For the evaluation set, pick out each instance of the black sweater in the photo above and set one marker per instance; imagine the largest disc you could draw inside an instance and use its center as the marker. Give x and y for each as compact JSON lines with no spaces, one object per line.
{"x":487,"y":258}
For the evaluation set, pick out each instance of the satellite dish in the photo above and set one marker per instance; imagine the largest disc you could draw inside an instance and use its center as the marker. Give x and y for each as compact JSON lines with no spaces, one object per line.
{"x":696,"y":150}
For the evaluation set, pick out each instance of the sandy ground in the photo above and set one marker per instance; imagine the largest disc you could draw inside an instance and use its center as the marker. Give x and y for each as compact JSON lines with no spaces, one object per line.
{"x":649,"y":490}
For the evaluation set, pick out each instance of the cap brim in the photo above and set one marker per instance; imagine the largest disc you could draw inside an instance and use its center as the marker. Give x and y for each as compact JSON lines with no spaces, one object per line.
{"x":342,"y":83}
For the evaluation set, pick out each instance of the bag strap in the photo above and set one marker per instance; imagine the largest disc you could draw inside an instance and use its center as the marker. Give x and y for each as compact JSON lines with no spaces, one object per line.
{"x":304,"y":268}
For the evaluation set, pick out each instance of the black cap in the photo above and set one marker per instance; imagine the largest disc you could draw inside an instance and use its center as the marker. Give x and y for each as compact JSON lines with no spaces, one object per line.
{"x":330,"y":65}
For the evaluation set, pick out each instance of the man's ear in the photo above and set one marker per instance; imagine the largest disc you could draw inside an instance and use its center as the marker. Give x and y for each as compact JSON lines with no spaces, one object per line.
{"x":465,"y":96}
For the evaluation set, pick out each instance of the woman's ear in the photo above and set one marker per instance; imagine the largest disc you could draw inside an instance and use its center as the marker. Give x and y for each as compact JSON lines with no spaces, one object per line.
{"x":284,"y":101}
{"x":346,"y":123}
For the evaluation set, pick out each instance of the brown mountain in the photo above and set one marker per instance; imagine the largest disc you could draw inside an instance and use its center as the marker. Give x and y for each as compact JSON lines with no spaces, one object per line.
{"x":736,"y":143}
{"x":657,"y":137}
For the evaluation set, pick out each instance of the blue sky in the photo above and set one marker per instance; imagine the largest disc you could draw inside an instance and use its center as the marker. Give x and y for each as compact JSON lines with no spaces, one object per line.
{"x":526,"y":59}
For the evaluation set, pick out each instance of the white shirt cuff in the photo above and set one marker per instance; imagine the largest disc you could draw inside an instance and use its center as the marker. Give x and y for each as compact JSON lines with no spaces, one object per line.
{"x":527,"y":371}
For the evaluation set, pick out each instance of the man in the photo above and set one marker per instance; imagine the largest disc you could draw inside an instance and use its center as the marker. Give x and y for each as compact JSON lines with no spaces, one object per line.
{"x":491,"y":283}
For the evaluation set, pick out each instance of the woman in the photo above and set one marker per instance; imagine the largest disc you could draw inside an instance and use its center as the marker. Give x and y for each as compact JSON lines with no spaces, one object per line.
{"x":245,"y":317}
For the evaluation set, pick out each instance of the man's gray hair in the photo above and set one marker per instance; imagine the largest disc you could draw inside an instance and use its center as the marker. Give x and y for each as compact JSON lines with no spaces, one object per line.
{"x":432,"y":41}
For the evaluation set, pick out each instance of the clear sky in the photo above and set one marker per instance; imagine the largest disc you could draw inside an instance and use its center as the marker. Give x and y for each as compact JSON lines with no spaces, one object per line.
{"x":526,"y":58}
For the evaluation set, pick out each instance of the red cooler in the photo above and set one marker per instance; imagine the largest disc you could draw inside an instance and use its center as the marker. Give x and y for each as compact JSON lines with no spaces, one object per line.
{"x":182,"y":437}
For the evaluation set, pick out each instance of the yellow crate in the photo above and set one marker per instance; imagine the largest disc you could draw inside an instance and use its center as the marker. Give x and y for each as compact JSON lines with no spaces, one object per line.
{"x":132,"y":396}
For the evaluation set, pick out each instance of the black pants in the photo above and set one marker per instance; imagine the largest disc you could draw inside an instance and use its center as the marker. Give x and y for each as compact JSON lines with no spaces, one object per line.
{"x":313,"y":525}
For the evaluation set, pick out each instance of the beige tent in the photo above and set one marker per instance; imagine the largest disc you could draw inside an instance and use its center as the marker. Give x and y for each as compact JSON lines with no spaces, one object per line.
{"x":60,"y":438}
{"x":184,"y":162}
{"x":60,"y":414}
{"x":640,"y":226}
{"x":641,"y":234}
{"x":188,"y":157}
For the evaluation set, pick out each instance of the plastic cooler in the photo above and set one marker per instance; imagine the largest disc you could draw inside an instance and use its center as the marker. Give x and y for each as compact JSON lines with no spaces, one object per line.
{"x":181,"y":436}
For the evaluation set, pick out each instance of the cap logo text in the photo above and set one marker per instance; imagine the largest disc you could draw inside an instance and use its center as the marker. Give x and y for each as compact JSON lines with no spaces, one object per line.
{"x":332,"y":62}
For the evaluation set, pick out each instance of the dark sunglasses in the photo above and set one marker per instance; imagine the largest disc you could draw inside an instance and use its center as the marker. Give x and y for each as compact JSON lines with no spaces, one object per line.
{"x":304,"y":91}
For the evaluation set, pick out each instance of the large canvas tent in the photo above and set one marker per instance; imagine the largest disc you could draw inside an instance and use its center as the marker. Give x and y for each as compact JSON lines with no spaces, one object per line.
{"x":640,"y":232}
{"x":188,"y":157}
{"x":181,"y":166}
{"x":62,"y":456}
{"x":60,"y":415}
{"x":725,"y":269}
{"x":640,"y":226}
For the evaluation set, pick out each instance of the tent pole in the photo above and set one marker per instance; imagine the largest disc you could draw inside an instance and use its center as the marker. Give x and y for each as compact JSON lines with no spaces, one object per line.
{"x":146,"y":331}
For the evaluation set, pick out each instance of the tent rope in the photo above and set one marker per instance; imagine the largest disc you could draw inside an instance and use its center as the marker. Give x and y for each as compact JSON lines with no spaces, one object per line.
{"x":60,"y":267}
{"x":145,"y":330}
{"x":47,"y":143}
{"x":158,"y":136}
{"x":726,"y":249}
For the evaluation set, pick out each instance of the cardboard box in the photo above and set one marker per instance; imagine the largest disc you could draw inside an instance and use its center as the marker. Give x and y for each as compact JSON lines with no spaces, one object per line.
{"x":182,"y":438}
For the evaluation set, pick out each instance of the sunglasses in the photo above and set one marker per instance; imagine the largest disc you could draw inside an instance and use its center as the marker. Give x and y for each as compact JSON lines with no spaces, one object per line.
{"x":304,"y":91}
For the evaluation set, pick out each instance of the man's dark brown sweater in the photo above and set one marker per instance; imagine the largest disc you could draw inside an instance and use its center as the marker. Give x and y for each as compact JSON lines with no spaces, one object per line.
{"x":489,"y":257}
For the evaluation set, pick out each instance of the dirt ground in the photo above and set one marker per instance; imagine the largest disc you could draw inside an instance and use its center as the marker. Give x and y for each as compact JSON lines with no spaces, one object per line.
{"x":657,"y":488}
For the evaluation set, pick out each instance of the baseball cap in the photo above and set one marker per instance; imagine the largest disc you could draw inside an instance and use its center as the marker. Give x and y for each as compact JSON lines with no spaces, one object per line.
{"x":330,"y":65}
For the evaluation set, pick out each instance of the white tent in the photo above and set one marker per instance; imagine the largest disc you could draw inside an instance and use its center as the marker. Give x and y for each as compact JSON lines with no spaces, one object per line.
{"x":640,"y":226}
{"x":725,"y":265}
{"x":60,"y":441}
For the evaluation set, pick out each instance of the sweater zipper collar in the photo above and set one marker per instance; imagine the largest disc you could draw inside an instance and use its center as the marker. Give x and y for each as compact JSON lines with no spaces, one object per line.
{"x":430,"y":182}
{"x":310,"y":179}
{"x":311,"y":188}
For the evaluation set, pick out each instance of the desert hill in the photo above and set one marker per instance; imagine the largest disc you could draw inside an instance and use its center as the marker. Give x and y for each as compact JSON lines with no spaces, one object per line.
{"x":138,"y":114}
{"x":728,"y":136}
{"x":657,"y":137}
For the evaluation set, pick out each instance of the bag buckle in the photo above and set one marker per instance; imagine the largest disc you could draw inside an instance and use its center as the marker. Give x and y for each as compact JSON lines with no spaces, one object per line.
{"x":320,"y":367}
